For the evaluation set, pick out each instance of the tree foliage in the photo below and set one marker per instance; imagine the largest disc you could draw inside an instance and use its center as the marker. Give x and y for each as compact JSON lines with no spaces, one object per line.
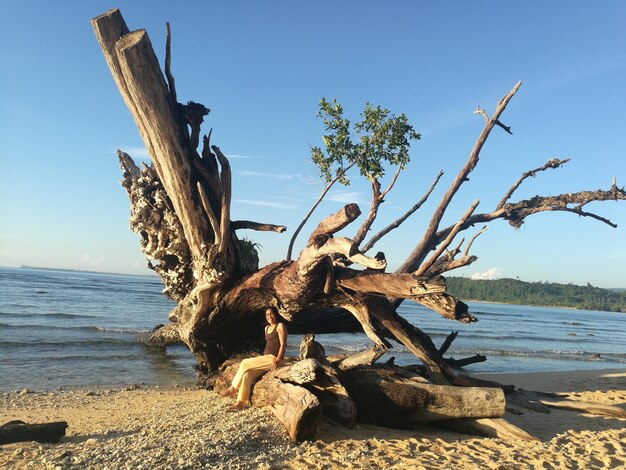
{"x":379,"y":138}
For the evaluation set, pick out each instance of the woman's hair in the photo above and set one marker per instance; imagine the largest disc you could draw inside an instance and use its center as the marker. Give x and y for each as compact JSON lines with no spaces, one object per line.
{"x":273,"y":310}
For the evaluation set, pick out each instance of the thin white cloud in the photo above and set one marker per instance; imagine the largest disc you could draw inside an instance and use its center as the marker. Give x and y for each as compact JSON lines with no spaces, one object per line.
{"x":243,"y":157}
{"x":307,"y":179}
{"x":572,"y":73}
{"x":304,"y":179}
{"x":345,"y":197}
{"x":260,"y":174}
{"x":92,"y":262}
{"x":256,"y":202}
{"x":490,"y":274}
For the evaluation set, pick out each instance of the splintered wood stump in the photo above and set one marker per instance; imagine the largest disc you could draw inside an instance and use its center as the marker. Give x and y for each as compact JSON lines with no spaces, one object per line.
{"x":299,"y":395}
{"x":18,"y":431}
{"x":294,"y":406}
{"x":386,"y":398}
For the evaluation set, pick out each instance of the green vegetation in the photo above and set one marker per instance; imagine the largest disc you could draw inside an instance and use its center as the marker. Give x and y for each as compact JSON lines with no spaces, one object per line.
{"x":547,"y":294}
{"x":381,"y":137}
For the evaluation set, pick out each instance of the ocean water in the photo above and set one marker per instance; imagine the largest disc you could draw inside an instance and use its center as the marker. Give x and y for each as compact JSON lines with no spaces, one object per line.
{"x":71,"y":329}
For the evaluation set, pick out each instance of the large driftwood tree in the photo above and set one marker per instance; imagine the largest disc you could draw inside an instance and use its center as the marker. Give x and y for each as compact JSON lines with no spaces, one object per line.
{"x":181,"y":208}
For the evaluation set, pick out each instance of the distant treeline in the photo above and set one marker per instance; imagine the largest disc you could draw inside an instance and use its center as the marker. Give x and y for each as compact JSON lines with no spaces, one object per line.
{"x":547,"y":294}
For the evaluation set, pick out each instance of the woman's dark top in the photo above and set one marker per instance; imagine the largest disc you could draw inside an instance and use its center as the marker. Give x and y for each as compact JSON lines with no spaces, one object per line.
{"x":272,"y":342}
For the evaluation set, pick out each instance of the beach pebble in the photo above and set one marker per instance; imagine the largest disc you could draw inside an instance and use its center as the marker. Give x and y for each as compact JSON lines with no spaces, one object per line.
{"x":23,"y":392}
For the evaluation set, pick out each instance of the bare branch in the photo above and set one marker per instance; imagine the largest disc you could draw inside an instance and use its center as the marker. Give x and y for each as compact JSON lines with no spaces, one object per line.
{"x":448,"y":262}
{"x":168,"y":61}
{"x":225,"y":183}
{"x":515,"y":213}
{"x":469,"y":245}
{"x":259,"y":227}
{"x":446,"y":306}
{"x":396,"y":223}
{"x":447,"y":343}
{"x":388,"y":284}
{"x":392,"y":183}
{"x":311,"y":255}
{"x":317,"y":203}
{"x":194,"y":116}
{"x":206,"y":204}
{"x":321,"y":243}
{"x":358,"y":306}
{"x":552,"y":163}
{"x":428,"y":240}
{"x":208,"y":158}
{"x":377,"y":199}
{"x":413,"y":338}
{"x":446,"y":243}
{"x":576,"y":210}
{"x":333,"y":223}
{"x":482,"y":112}
{"x":507,"y":129}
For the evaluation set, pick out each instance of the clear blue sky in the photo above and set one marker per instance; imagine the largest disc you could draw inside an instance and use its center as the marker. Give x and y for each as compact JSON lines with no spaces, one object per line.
{"x":263,"y":66}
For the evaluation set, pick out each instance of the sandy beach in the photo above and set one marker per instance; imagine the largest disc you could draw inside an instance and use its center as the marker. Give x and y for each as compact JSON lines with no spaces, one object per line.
{"x":137,"y":427}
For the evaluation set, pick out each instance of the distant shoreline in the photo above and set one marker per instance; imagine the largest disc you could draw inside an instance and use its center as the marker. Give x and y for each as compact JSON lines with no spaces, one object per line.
{"x":540,"y":294}
{"x":526,"y":305}
{"x":40,"y":268}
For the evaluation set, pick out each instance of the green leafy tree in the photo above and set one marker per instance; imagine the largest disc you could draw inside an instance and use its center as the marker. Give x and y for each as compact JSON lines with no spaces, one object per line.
{"x":379,"y":140}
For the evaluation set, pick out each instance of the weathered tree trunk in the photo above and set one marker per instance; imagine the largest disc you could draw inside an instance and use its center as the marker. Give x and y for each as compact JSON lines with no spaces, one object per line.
{"x":385,"y":398}
{"x":199,"y":246}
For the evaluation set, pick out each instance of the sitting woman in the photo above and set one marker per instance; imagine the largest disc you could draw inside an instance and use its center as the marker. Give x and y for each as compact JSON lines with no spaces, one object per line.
{"x":252,"y":368}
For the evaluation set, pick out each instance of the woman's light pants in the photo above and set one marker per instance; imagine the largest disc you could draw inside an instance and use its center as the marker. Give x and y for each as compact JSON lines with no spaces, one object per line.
{"x":249,"y":370}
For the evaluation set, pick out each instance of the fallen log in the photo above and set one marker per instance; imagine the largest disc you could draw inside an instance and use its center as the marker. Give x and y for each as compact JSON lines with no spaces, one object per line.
{"x":466,"y":361}
{"x":386,"y":398}
{"x":18,"y":431}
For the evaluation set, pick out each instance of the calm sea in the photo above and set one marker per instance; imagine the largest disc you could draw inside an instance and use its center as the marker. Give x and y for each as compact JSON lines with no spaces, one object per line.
{"x":70,"y":329}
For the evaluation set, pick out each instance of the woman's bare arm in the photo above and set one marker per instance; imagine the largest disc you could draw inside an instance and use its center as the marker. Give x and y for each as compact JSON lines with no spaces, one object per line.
{"x":281,"y":329}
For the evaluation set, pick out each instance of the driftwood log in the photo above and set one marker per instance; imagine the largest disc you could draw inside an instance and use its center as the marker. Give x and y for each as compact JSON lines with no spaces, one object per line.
{"x":181,"y":209}
{"x":303,"y":393}
{"x":18,"y":431}
{"x":386,"y":398}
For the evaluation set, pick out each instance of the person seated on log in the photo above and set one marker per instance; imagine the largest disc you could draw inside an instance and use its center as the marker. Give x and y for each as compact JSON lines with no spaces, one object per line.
{"x":252,"y":368}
